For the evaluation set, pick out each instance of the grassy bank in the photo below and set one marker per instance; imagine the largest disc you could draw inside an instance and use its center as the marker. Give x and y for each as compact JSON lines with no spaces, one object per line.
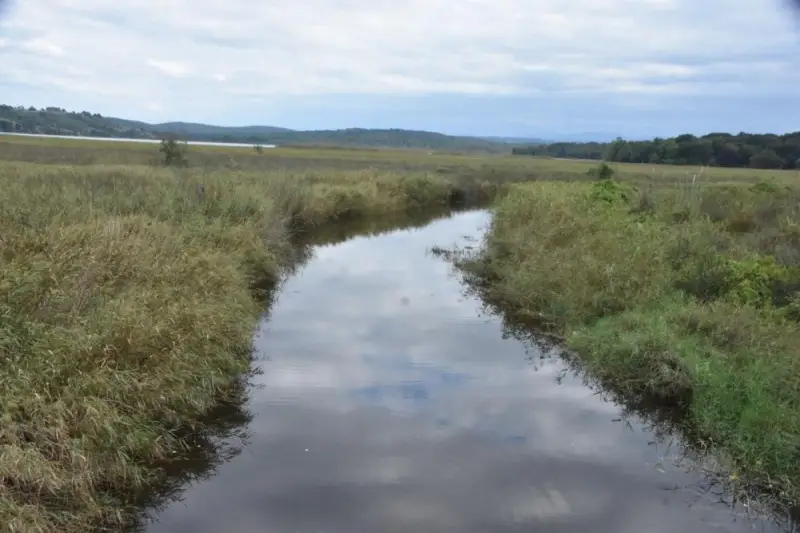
{"x":128,"y":298}
{"x":688,"y":295}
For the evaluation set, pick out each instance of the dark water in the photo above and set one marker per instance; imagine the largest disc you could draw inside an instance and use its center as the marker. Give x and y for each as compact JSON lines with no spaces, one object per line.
{"x":390,"y":402}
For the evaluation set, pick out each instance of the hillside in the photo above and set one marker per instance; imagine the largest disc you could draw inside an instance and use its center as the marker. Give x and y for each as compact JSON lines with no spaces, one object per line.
{"x":57,"y":121}
{"x":394,"y":138}
{"x":208,"y":130}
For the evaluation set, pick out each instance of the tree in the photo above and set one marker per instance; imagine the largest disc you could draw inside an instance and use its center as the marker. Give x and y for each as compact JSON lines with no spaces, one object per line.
{"x":715,"y":149}
{"x":616,"y":149}
{"x":728,"y":155}
{"x":174,"y":152}
{"x":766,"y":158}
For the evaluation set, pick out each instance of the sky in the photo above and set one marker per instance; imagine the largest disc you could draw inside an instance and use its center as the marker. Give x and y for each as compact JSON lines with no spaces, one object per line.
{"x":540,"y":68}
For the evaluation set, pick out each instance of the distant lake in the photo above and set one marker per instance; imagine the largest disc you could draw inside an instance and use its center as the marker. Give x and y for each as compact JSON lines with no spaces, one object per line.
{"x":125,"y":139}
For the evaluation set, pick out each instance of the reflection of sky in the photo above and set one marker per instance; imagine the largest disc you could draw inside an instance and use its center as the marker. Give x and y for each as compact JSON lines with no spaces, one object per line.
{"x":389,"y":403}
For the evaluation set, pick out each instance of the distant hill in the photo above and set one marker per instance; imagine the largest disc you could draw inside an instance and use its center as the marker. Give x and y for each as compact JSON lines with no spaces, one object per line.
{"x":584,"y":137}
{"x":57,"y":121}
{"x":204,"y":130}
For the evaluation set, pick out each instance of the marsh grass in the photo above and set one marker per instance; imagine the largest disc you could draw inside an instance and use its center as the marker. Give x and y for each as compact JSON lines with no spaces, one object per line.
{"x":128,"y":300}
{"x":683,"y":294}
{"x":493,"y":168}
{"x":126,"y":311}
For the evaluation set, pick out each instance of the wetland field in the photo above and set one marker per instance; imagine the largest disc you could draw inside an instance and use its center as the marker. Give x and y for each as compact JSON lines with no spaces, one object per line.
{"x":297,"y":339}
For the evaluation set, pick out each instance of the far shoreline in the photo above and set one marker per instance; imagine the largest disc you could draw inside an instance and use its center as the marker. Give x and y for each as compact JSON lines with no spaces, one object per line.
{"x":133,"y":140}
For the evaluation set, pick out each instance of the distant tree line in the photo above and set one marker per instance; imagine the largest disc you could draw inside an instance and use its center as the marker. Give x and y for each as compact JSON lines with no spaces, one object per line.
{"x":715,"y":149}
{"x":58,"y":121}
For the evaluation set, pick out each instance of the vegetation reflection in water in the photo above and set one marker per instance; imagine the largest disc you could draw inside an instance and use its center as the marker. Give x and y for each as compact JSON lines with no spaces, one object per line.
{"x":225,"y":431}
{"x":664,"y":418}
{"x":547,"y":499}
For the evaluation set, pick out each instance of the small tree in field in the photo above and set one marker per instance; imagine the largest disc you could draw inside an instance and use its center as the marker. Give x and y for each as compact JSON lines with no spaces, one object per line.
{"x":602,"y":171}
{"x":174,"y":152}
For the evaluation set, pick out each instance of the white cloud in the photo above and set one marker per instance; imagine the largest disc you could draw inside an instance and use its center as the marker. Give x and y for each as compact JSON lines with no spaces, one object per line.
{"x":174,"y":69}
{"x":41,"y":46}
{"x":223,"y":51}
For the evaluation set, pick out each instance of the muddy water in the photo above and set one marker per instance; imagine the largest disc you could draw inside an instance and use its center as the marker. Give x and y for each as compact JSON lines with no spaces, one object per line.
{"x":390,"y":402}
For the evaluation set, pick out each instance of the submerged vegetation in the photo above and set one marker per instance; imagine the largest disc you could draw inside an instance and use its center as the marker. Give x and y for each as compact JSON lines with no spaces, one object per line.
{"x":687,"y":294}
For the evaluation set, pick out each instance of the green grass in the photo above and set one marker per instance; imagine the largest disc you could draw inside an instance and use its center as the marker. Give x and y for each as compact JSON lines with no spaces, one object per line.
{"x":128,"y":301}
{"x":684,"y":294}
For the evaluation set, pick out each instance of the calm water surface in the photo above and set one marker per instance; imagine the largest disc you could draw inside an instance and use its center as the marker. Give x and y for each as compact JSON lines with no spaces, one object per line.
{"x":128,"y":140}
{"x":389,"y":402}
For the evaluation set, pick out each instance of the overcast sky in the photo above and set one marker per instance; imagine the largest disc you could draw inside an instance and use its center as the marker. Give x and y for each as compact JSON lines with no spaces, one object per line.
{"x":489,"y":67}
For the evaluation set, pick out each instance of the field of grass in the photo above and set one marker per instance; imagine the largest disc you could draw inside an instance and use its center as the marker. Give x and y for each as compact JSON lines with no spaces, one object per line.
{"x":683,"y":293}
{"x":129,"y":293}
{"x":302,"y":159}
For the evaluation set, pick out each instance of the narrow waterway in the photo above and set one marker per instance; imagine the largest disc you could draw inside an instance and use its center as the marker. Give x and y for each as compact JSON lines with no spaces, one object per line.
{"x":389,"y":401}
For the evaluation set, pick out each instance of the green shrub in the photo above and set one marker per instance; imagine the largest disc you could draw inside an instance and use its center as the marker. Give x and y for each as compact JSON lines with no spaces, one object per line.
{"x":611,"y":192}
{"x":174,"y":153}
{"x":601,"y":172}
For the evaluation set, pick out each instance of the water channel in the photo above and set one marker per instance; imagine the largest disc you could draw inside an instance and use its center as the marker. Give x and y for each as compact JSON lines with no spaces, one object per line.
{"x":389,"y":400}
